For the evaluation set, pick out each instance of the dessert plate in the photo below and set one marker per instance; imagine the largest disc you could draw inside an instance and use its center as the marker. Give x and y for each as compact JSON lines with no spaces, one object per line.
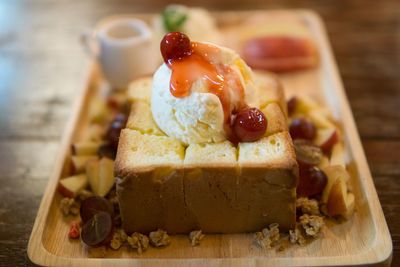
{"x":362,"y":240}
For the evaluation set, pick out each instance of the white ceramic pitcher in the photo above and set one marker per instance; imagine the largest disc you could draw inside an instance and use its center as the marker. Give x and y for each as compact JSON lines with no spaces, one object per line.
{"x":125,"y":49}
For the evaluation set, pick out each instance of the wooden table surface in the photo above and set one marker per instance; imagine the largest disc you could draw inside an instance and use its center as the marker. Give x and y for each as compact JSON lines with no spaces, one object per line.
{"x":42,"y":65}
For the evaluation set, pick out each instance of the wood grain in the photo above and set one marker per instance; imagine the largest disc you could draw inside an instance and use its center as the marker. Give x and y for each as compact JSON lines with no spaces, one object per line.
{"x":42,"y":66}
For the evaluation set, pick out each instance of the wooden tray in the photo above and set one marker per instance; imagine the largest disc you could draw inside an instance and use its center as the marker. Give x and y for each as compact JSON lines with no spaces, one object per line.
{"x":362,"y":240}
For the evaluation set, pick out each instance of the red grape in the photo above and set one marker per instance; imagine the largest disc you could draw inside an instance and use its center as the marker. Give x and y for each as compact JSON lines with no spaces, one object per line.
{"x":250,"y":124}
{"x":98,"y":230}
{"x":93,"y":205}
{"x":302,"y":128}
{"x":108,"y":151}
{"x":115,"y":129}
{"x":291,"y":105}
{"x":175,"y":45}
{"x":312,"y":182}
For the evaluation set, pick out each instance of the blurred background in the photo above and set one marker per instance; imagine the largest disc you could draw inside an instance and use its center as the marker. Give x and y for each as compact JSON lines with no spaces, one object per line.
{"x":42,"y":66}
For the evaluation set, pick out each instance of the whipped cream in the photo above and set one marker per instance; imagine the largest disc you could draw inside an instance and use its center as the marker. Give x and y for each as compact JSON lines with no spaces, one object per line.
{"x":199,"y":117}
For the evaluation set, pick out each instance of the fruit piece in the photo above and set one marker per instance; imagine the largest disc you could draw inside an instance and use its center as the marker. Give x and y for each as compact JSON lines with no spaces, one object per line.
{"x":85,"y":148}
{"x":175,"y":46}
{"x":320,"y":120}
{"x":94,"y":133}
{"x":250,"y":124}
{"x":291,"y":105}
{"x":338,"y":155}
{"x":79,"y":163}
{"x":98,"y":230}
{"x":108,"y":151}
{"x":71,"y":186}
{"x":324,"y":162}
{"x":98,"y":111}
{"x":101,"y":175}
{"x":115,"y":129}
{"x":305,"y":104}
{"x":93,"y":205}
{"x":280,"y":53}
{"x":307,"y":153}
{"x":302,"y":128}
{"x":74,"y":232}
{"x":312,"y":181}
{"x":334,"y":173}
{"x":326,"y":139}
{"x":340,"y":202}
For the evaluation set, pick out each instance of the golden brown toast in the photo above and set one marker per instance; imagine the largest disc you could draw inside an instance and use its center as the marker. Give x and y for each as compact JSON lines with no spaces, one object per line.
{"x":215,"y":187}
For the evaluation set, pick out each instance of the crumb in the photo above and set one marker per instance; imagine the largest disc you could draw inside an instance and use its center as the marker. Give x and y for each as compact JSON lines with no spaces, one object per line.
{"x":118,"y":239}
{"x":69,"y":206}
{"x":311,"y":224}
{"x":195,"y":237}
{"x":296,"y":237}
{"x":139,"y":242}
{"x":74,"y":230}
{"x":159,"y":238}
{"x":268,"y":237}
{"x":84,"y":194}
{"x":308,"y":206}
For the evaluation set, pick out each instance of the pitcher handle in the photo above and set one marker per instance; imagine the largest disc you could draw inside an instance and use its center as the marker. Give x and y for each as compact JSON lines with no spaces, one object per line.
{"x":89,"y":43}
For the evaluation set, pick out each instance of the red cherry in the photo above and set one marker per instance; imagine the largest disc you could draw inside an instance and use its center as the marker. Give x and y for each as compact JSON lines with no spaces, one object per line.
{"x":302,"y":128}
{"x":250,"y":124}
{"x":175,"y":45}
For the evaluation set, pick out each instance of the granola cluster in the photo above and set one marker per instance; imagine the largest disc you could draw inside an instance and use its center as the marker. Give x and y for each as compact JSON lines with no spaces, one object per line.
{"x":139,"y":242}
{"x":159,"y":238}
{"x":69,"y":206}
{"x":268,"y":237}
{"x":195,"y":237}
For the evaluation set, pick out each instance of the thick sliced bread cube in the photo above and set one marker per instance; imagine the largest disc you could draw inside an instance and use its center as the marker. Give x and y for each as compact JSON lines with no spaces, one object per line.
{"x":206,"y":155}
{"x":140,"y":89}
{"x":270,"y":90}
{"x":139,"y":152}
{"x":141,"y":119}
{"x":276,"y":119}
{"x":215,"y":187}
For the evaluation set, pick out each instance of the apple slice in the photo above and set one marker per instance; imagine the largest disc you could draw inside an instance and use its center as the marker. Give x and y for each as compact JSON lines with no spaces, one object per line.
{"x":324,"y":162}
{"x":106,"y":176}
{"x":337,"y":155}
{"x":79,"y":163}
{"x":334,"y":173}
{"x":95,"y":133}
{"x":85,"y":148}
{"x":326,"y":139}
{"x":71,"y":186}
{"x":340,"y":202}
{"x":101,"y":175}
{"x":320,"y":120}
{"x":98,"y":111}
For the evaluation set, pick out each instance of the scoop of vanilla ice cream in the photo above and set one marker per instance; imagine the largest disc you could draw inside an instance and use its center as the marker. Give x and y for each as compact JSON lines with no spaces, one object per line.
{"x":198,"y":117}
